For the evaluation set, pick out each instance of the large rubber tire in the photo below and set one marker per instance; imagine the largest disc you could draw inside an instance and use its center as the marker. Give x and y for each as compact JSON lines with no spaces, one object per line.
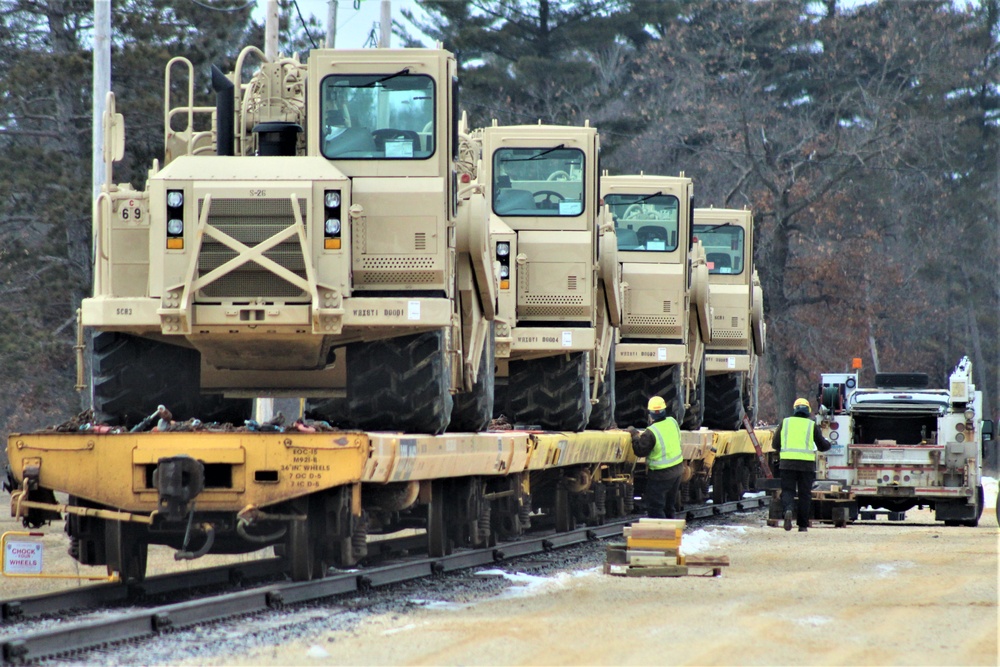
{"x":400,"y":384}
{"x":724,"y":401}
{"x":635,"y":388}
{"x":473,"y":410}
{"x":694,"y":415}
{"x":602,"y":415}
{"x":132,"y":375}
{"x":551,"y":393}
{"x":980,"y":501}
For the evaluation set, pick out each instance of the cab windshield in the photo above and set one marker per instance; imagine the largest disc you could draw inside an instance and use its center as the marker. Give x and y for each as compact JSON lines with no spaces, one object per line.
{"x":378,"y":116}
{"x":645,"y":222}
{"x":538,"y":182}
{"x":723,"y":247}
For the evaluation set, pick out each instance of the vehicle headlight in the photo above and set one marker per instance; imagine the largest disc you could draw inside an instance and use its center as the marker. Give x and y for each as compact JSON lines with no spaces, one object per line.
{"x":175,"y":198}
{"x":332,"y":199}
{"x":503,"y":249}
{"x":504,"y":271}
{"x":969,"y":414}
{"x":175,"y":227}
{"x":332,"y":227}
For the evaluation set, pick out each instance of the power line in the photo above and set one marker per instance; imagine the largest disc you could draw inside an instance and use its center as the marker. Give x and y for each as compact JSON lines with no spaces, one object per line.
{"x":225,"y":11}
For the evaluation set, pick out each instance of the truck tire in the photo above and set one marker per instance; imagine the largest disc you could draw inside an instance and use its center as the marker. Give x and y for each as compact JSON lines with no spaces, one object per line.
{"x":400,"y":384}
{"x":132,"y":375}
{"x":602,"y":415}
{"x":473,"y":410}
{"x":551,"y":393}
{"x":694,"y":415}
{"x":634,"y":389}
{"x":980,"y":501}
{"x":724,"y":401}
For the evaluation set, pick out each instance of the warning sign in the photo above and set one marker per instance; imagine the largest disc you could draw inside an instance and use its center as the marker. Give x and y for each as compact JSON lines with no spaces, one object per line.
{"x":22,"y":557}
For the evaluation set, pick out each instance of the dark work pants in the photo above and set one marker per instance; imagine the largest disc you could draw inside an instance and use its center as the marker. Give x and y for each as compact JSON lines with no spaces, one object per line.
{"x":660,"y":497}
{"x":797,"y":482}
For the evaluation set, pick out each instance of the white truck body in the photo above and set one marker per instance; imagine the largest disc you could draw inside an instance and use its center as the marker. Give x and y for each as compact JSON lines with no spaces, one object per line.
{"x":899,"y":445}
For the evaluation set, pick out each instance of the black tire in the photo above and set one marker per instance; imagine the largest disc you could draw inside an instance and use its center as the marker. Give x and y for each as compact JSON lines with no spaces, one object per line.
{"x":751,"y":392}
{"x":132,"y":375}
{"x":473,"y":410}
{"x":980,"y":501}
{"x":551,"y":393}
{"x":695,"y":413}
{"x":724,"y":401}
{"x":400,"y":384}
{"x":635,"y":388}
{"x":500,"y":394}
{"x":127,"y":548}
{"x":602,"y":415}
{"x":720,"y":481}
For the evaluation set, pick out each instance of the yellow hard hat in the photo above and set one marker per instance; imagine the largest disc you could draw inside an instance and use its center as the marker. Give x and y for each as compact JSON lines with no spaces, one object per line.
{"x":801,"y":403}
{"x":656,"y":404}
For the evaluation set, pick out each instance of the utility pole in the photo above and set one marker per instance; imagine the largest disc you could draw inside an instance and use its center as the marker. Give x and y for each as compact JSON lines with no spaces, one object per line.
{"x":101,"y":88}
{"x":331,"y":24}
{"x":271,"y":31}
{"x":385,"y":25}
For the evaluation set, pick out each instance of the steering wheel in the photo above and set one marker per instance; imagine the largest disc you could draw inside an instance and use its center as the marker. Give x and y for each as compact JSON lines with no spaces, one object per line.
{"x":633,"y":211}
{"x":651,"y":233}
{"x":549,"y":199}
{"x":558,"y":176}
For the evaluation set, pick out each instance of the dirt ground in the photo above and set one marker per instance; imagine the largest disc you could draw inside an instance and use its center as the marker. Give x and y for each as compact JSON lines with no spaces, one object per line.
{"x":879,"y":593}
{"x":909,"y":593}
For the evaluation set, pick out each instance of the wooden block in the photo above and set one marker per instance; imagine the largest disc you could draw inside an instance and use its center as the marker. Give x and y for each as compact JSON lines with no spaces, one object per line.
{"x":611,"y":568}
{"x":637,"y":543}
{"x":677,"y":524}
{"x":653,"y":533}
{"x":661,"y":571}
{"x":652,"y":552}
{"x":707,"y":561}
{"x":647,"y":561}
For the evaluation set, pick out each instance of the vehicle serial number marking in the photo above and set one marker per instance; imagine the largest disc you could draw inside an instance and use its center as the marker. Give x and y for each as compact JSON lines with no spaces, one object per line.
{"x":258,"y":193}
{"x":123,"y":311}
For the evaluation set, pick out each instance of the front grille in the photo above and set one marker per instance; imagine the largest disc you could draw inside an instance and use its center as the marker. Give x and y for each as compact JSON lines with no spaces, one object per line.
{"x":251,"y":221}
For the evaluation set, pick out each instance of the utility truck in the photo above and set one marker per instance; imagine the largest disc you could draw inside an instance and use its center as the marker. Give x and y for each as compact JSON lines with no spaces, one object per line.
{"x":559,"y":296}
{"x":666,"y":317}
{"x":305,"y":237}
{"x":738,"y":329}
{"x":901,"y":443}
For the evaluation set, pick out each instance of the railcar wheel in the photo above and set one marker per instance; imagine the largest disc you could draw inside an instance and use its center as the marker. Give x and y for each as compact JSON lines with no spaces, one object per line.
{"x":438,"y":544}
{"x":602,"y":415}
{"x":552,"y":392}
{"x":694,"y":415}
{"x":634,"y":389}
{"x":400,"y":384}
{"x":474,"y":409}
{"x":724,"y":401}
{"x":563,"y":510}
{"x":127,"y":547}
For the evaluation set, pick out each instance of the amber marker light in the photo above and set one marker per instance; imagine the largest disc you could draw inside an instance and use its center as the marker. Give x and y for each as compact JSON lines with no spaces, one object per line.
{"x":331,"y":244}
{"x":175,"y":243}
{"x":856,"y":363}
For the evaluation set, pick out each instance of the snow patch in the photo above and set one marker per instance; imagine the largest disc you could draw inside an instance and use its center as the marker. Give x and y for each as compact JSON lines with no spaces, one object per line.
{"x":813,"y":621}
{"x":318,"y":652}
{"x":403,"y":628}
{"x":883,"y":570}
{"x":710,"y":538}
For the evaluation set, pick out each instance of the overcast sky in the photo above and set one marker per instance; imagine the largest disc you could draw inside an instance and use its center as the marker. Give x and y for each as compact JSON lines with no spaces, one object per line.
{"x":353,"y":25}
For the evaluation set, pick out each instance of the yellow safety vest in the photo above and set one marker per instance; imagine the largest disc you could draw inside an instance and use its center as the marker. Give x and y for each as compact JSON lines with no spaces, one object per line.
{"x":667,"y":450}
{"x":797,"y":439}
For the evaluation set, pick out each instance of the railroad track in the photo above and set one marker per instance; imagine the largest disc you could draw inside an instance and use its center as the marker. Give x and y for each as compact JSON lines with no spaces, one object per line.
{"x":137,"y":623}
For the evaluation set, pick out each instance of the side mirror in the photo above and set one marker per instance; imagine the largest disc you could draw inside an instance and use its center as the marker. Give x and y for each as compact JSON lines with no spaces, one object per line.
{"x":987,"y":430}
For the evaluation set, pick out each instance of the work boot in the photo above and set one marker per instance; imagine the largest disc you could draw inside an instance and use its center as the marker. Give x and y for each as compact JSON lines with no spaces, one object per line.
{"x":802,"y":529}
{"x":788,"y":520}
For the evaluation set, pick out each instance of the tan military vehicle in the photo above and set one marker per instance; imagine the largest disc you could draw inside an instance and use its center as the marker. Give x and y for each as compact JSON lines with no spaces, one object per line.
{"x":666,"y":318}
{"x":558,"y":299}
{"x":738,"y":330}
{"x":308,"y":236}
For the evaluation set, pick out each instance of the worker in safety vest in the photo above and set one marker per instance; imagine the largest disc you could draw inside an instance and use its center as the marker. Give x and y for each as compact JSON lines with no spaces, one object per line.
{"x":661,"y":445}
{"x":797,"y":439}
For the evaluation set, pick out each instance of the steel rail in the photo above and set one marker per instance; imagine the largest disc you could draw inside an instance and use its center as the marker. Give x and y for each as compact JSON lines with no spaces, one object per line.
{"x":137,"y":624}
